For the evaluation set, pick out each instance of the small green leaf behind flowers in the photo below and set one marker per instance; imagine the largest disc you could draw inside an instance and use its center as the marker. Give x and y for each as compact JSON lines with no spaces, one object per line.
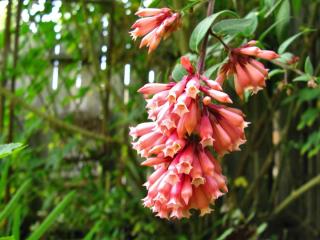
{"x":243,"y":26}
{"x":203,"y":27}
{"x":8,"y":149}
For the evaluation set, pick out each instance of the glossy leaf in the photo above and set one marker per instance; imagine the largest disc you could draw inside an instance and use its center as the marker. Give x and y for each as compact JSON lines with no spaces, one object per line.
{"x":283,"y":47}
{"x":244,"y":26}
{"x":308,"y":67}
{"x":203,"y":27}
{"x":178,"y":72}
{"x":283,"y":17}
{"x":302,"y":78}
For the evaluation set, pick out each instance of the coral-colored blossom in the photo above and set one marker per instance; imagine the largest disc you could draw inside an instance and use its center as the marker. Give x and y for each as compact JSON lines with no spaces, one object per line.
{"x":154,"y":25}
{"x":192,"y":180}
{"x":177,"y":140}
{"x":248,"y":73}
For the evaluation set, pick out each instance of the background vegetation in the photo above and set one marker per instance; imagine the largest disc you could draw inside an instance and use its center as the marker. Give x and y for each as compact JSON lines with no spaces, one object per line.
{"x":69,"y":75}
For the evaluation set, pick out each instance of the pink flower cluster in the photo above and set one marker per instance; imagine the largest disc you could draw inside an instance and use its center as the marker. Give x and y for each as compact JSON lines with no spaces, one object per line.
{"x":248,"y":73}
{"x":176,"y":143}
{"x":189,"y":121}
{"x":154,"y":25}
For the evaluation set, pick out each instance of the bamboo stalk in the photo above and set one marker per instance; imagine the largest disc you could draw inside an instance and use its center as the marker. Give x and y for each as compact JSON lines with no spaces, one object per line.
{"x":15,"y":61}
{"x":295,"y":194}
{"x":6,"y":50}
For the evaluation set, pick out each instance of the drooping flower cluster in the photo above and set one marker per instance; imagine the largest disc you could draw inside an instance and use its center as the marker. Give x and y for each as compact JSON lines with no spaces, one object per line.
{"x":248,"y":73}
{"x":189,"y":121}
{"x":154,"y":25}
{"x":177,"y":141}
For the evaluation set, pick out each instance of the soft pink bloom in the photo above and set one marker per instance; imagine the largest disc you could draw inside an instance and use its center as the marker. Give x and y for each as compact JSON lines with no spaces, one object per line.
{"x":181,"y":107}
{"x":141,"y":129}
{"x":176,"y":143}
{"x":191,"y":118}
{"x":228,"y":128}
{"x":212,"y":84}
{"x":185,"y":160}
{"x":177,"y":90}
{"x":172,"y":192}
{"x":153,"y":88}
{"x":206,"y":100}
{"x":248,"y":73}
{"x":206,"y":131}
{"x":192,"y":88}
{"x":217,"y":95}
{"x":154,"y":161}
{"x":154,"y":25}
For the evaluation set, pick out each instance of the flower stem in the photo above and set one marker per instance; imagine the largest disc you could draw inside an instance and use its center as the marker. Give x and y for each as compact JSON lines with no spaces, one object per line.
{"x":220,"y":39}
{"x":203,"y":51}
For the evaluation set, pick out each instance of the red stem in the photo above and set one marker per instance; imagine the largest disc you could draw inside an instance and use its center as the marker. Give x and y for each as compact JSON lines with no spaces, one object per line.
{"x":203,"y":51}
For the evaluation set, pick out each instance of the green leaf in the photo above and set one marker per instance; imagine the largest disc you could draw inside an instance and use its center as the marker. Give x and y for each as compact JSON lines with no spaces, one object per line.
{"x":178,"y":72}
{"x":275,"y":72}
{"x":302,"y":78}
{"x":283,"y":47}
{"x":262,"y":228}
{"x":308,"y":68}
{"x":272,"y":8}
{"x":11,"y":206}
{"x":44,"y":226}
{"x":285,"y":57}
{"x":312,"y":146}
{"x":296,"y":5}
{"x":7,"y":238}
{"x":266,"y":32}
{"x":267,"y":4}
{"x":241,"y":182}
{"x":16,"y":223}
{"x":225,"y":234}
{"x":202,"y":28}
{"x":191,"y":4}
{"x":208,"y":73}
{"x":154,"y":3}
{"x":309,"y":94}
{"x":253,"y":16}
{"x":4,"y":177}
{"x":308,"y":118}
{"x":283,"y":14}
{"x":8,"y":149}
{"x":93,"y":230}
{"x":244,"y":26}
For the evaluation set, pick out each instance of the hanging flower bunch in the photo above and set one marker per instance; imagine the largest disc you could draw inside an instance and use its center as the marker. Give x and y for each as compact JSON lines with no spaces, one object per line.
{"x":191,"y":123}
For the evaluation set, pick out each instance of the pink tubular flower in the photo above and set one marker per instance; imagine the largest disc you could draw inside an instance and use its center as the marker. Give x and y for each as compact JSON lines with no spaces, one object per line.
{"x":173,"y":197}
{"x":154,"y":25}
{"x":177,"y":140}
{"x":228,"y":128}
{"x":248,"y":73}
